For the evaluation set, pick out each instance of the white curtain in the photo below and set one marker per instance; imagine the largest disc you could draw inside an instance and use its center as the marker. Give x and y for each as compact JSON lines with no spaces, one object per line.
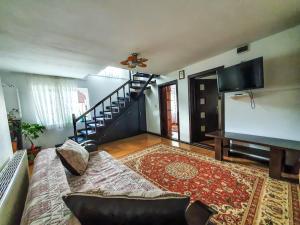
{"x":54,"y":100}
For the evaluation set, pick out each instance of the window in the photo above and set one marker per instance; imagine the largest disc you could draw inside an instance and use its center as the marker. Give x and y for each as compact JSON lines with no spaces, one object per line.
{"x":55,"y":99}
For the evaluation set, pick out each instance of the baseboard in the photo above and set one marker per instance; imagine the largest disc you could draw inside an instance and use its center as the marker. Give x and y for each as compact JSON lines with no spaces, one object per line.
{"x":180,"y":141}
{"x":156,"y":134}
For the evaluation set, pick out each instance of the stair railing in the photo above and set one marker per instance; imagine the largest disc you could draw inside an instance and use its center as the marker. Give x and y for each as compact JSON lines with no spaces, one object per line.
{"x":100,"y":104}
{"x":145,"y":85}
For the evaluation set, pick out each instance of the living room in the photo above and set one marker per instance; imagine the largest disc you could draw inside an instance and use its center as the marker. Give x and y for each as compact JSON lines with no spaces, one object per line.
{"x":104,"y":107}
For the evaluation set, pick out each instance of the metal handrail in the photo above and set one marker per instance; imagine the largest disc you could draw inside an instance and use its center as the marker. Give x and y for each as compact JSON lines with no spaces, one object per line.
{"x":99,"y":103}
{"x":122,"y":88}
{"x":145,"y":85}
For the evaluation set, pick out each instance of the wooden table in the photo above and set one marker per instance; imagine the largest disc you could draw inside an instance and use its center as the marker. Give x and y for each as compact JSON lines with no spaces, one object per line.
{"x":277,"y":146}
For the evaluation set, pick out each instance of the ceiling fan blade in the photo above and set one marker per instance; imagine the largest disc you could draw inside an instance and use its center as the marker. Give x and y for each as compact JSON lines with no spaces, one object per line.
{"x":143,"y":60}
{"x":125,"y":62}
{"x":142,"y":65}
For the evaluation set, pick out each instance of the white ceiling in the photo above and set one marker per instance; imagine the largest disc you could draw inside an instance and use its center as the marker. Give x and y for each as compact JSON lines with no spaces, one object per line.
{"x":74,"y":38}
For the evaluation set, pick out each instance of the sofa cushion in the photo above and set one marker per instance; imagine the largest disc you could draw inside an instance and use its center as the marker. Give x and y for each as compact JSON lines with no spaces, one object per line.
{"x":128,"y":208}
{"x":73,"y":156}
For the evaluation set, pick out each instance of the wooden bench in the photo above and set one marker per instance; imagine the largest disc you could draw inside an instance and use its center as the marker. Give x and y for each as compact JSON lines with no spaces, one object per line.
{"x":277,"y":146}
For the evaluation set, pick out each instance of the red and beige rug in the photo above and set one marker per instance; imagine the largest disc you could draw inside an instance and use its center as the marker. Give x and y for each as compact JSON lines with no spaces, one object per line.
{"x":240,"y":194}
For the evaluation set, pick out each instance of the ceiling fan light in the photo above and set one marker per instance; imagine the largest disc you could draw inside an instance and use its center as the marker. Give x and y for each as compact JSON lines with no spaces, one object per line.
{"x":133,"y":61}
{"x":130,"y":58}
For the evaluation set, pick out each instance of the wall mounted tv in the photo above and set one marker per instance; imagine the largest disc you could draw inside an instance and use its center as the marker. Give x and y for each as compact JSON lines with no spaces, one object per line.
{"x":244,"y":76}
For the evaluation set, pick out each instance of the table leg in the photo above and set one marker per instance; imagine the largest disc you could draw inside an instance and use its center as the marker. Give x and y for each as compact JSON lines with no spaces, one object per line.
{"x":276,"y":162}
{"x":226,"y":147}
{"x":218,"y":149}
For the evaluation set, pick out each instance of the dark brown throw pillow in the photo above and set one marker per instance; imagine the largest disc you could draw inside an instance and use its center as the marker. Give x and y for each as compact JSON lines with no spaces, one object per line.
{"x":130,"y":208}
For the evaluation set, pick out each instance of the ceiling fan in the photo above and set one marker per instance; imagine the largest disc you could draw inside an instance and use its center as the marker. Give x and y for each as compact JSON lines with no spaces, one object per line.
{"x":133,"y":61}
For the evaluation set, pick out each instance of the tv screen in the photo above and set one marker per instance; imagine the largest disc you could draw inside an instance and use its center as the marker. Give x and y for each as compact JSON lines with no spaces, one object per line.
{"x":244,"y":76}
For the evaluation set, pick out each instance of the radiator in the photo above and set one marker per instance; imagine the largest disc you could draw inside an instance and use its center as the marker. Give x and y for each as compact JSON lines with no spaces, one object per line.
{"x":13,"y":189}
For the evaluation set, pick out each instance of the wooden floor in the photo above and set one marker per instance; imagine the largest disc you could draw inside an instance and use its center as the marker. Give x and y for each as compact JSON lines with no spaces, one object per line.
{"x":130,"y":145}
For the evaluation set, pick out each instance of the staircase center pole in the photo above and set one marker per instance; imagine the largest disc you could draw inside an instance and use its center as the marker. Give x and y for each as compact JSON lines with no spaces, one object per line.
{"x":95,"y":120}
{"x":74,"y":126}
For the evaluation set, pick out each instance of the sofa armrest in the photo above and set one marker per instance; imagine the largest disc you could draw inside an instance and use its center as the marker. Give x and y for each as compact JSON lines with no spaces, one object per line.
{"x":198,"y":213}
{"x":90,"y":145}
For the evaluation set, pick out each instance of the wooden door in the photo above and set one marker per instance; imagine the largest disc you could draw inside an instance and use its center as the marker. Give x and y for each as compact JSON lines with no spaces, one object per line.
{"x":169,"y":111}
{"x":206,"y":105}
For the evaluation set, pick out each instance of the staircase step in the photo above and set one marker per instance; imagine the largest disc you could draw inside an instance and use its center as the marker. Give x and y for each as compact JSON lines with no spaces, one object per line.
{"x":91,"y":121}
{"x":93,"y":125}
{"x":105,"y":112}
{"x":113,"y":109}
{"x":144,"y":75}
{"x":142,"y":82}
{"x":124,"y":99}
{"x":108,"y":112}
{"x":107,"y":115}
{"x":101,"y":117}
{"x":138,"y":81}
{"x":139,"y":88}
{"x":88,"y":131}
{"x":80,"y":139}
{"x":121,"y":104}
{"x":99,"y":121}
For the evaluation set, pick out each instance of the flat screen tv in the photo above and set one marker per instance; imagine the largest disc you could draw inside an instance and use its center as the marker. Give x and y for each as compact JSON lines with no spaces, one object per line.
{"x":244,"y":76}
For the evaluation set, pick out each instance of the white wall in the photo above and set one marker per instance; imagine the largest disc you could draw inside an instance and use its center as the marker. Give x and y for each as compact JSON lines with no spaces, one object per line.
{"x":5,"y":142}
{"x":99,"y":87}
{"x":277,"y":112}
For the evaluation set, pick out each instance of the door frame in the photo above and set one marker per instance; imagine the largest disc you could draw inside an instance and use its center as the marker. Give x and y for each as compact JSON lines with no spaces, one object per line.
{"x":173,"y":82}
{"x":191,"y":102}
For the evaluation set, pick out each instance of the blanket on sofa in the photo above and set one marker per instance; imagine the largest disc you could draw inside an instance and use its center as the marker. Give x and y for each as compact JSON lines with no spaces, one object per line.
{"x":50,"y":180}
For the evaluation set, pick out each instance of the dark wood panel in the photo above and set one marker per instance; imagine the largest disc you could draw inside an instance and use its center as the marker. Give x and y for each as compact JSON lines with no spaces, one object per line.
{"x":276,"y":162}
{"x":192,"y":101}
{"x":206,"y":101}
{"x":218,"y":149}
{"x":130,"y":123}
{"x":278,"y":148}
{"x":260,"y":140}
{"x":142,"y":114}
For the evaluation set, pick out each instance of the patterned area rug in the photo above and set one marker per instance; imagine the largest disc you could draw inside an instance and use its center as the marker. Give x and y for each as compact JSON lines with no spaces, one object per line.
{"x":240,"y":194}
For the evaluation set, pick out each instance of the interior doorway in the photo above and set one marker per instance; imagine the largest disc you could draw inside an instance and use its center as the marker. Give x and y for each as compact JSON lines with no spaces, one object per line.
{"x":169,"y":113}
{"x":206,"y":107}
